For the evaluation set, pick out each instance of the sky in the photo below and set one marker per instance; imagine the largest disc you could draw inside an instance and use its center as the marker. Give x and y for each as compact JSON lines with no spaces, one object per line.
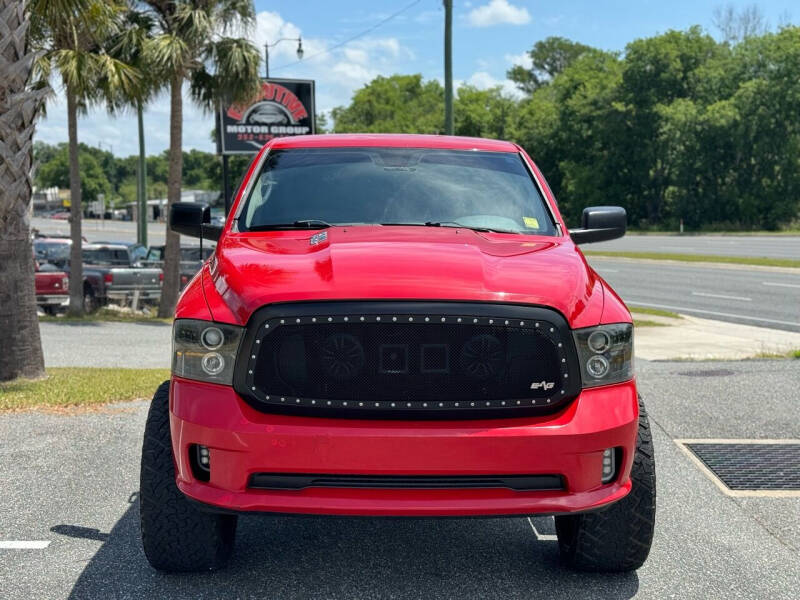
{"x":489,"y":36}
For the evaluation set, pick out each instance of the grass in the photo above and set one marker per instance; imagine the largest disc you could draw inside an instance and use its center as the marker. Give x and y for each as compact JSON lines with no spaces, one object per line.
{"x":69,"y":387}
{"x":722,"y":233}
{"x":793,"y":354}
{"x":106,"y":314}
{"x":736,"y":260}
{"x":647,"y":323}
{"x":642,"y":310}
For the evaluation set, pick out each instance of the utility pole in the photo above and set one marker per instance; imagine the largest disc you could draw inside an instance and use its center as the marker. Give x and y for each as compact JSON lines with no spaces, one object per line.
{"x":448,"y":67}
{"x":141,"y":188}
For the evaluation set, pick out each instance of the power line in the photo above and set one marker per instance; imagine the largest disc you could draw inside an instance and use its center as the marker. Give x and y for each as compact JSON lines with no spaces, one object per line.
{"x":355,"y":37}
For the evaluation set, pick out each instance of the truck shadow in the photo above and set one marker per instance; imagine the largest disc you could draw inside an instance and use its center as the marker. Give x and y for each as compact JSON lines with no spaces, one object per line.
{"x":323,"y":557}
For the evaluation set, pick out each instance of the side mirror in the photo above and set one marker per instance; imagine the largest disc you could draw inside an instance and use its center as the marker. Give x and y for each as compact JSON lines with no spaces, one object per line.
{"x":600,"y":224}
{"x":194,"y":220}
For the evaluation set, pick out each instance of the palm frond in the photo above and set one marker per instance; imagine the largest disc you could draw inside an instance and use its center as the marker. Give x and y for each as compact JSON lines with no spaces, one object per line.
{"x":234,"y":16}
{"x":193,"y":24}
{"x":169,"y":54}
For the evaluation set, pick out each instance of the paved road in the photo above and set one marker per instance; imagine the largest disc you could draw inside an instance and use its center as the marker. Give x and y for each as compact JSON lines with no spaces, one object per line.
{"x":72,"y":481}
{"x":100,"y":344}
{"x":760,"y":297}
{"x":778,"y":246}
{"x":95,"y":230}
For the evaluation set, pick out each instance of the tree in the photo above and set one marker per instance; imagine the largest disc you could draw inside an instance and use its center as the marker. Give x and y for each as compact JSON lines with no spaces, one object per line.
{"x":736,"y":26}
{"x":549,"y":57}
{"x":192,"y":45}
{"x":19,"y":103}
{"x":484,"y":113}
{"x":129,"y":46}
{"x":396,"y":104}
{"x":55,"y":172}
{"x":68,"y":36}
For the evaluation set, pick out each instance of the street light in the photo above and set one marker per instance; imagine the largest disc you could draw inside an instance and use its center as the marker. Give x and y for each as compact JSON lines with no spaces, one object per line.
{"x":267,"y":46}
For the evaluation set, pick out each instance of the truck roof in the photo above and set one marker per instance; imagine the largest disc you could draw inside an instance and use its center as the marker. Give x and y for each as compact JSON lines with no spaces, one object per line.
{"x":102,"y":245}
{"x":393,"y":140}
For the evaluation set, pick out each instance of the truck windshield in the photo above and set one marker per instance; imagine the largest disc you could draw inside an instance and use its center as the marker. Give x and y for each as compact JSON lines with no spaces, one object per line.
{"x":314,"y":188}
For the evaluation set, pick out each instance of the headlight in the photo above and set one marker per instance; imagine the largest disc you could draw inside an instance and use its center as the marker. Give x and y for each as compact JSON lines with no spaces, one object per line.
{"x":204,"y":350}
{"x":605,"y":353}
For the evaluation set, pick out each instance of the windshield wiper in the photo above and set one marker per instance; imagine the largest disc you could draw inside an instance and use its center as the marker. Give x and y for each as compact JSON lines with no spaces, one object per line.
{"x":304,"y":224}
{"x":452,"y":224}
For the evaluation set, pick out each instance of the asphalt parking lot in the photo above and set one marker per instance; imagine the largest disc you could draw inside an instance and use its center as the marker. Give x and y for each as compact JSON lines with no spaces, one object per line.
{"x":70,"y":483}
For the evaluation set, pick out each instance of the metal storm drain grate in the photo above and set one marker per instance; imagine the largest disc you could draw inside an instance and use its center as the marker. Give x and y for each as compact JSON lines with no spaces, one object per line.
{"x":749,"y":466}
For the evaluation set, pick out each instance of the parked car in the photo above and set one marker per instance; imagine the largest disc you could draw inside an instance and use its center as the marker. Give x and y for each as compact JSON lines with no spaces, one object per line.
{"x":111,"y":271}
{"x":52,"y":287}
{"x":192,"y":258}
{"x":137,"y":251}
{"x":51,"y":249}
{"x":398,"y":325}
{"x":119,"y":268}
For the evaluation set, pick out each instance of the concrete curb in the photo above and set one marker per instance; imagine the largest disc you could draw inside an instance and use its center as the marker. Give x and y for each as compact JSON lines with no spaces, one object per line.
{"x":692,"y":338}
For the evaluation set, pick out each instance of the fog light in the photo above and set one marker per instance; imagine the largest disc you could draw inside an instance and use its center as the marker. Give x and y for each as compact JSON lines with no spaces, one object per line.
{"x":608,"y":465}
{"x":597,"y":366}
{"x":213,"y":363}
{"x":203,"y":456}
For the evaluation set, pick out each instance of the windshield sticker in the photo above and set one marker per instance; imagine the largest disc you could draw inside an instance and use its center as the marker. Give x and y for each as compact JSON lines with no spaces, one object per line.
{"x":531,"y":222}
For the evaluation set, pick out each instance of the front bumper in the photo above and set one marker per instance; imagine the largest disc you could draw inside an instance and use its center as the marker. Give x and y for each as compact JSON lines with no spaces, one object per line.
{"x":52,"y":299}
{"x":243,"y":441}
{"x":128,"y":295}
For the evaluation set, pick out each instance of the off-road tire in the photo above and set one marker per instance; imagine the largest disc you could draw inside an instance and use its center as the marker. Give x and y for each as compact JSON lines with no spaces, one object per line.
{"x":176,"y":536}
{"x":619,"y":537}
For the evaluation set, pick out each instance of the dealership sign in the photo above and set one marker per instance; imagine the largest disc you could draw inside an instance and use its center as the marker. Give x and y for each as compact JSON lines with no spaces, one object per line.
{"x":284,"y":107}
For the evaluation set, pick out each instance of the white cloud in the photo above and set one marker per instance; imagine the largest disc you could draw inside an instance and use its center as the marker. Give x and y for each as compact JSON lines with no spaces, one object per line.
{"x":498,"y":12}
{"x":523,"y":60}
{"x":484,"y":80}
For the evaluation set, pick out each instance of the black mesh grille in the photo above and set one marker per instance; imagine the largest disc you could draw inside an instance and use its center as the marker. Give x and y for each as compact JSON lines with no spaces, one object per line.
{"x":422,"y":360}
{"x":406,"y":361}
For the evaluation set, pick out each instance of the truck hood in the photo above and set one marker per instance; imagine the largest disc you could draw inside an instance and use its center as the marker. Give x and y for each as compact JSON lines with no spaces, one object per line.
{"x":250,"y":270}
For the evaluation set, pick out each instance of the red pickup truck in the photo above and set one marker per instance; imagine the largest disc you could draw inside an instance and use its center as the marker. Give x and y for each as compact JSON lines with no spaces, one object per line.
{"x":52,"y":288}
{"x":398,"y":325}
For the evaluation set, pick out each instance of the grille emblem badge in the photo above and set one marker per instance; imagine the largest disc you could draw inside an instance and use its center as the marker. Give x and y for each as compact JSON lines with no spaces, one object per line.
{"x":544,"y":385}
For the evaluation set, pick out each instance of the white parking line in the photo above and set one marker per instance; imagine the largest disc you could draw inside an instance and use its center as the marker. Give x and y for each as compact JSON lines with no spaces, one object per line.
{"x":742,"y":298}
{"x":791,"y":285}
{"x":542,"y":537}
{"x":24,"y":544}
{"x":708,"y":312}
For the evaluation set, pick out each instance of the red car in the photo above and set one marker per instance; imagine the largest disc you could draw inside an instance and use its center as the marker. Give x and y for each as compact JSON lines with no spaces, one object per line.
{"x":398,"y":325}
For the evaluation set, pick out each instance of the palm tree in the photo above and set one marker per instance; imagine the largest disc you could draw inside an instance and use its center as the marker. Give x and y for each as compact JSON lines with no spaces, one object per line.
{"x":68,"y":36}
{"x":19,"y":104}
{"x":195,"y":45}
{"x":129,"y":46}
